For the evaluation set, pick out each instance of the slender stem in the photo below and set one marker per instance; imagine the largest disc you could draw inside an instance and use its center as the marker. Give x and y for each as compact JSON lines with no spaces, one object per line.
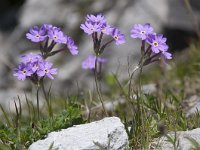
{"x":98,"y":88}
{"x":38,"y":105}
{"x":101,"y":36}
{"x":142,"y":47}
{"x":50,"y":48}
{"x":131,"y":78}
{"x":47,"y":99}
{"x":46,"y":44}
{"x":154,"y":56}
{"x":148,"y":50}
{"x":140,"y":80}
{"x":102,"y":48}
{"x":41,"y":48}
{"x":93,"y":39}
{"x":154,"y":60}
{"x":55,"y":52}
{"x":96,"y":36}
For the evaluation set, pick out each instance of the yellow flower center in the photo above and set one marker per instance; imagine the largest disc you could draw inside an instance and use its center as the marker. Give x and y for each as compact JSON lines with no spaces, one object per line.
{"x":142,"y":32}
{"x":24,"y":71}
{"x":155,"y":44}
{"x":55,"y":37}
{"x":37,"y":36}
{"x":116,"y":37}
{"x":46,"y":70}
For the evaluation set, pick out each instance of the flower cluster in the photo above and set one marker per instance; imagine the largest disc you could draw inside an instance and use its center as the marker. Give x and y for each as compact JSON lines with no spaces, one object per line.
{"x":51,"y":35}
{"x":157,"y":42}
{"x":96,"y":26}
{"x":33,"y":66}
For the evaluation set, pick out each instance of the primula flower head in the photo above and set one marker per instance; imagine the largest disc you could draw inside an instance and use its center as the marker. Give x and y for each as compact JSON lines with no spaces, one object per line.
{"x":37,"y":34}
{"x":157,"y":48}
{"x":141,"y":31}
{"x":31,"y":58}
{"x":97,"y":27}
{"x":54,"y":36}
{"x":34,"y":64}
{"x":106,"y":29}
{"x":46,"y":69}
{"x":22,"y":71}
{"x":118,"y":36}
{"x":57,"y":35}
{"x":90,"y":28}
{"x":93,"y":24}
{"x":157,"y":42}
{"x":98,"y":19}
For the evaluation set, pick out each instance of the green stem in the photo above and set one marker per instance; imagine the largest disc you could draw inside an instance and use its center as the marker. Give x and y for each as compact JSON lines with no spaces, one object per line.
{"x":38,"y":105}
{"x":47,"y":99}
{"x":140,"y":80}
{"x":131,"y":78}
{"x":98,"y":88}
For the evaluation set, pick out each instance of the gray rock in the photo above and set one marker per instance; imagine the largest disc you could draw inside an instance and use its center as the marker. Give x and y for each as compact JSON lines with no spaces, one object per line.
{"x":149,"y":88}
{"x":191,"y":105}
{"x":183,"y":142}
{"x":108,"y":133}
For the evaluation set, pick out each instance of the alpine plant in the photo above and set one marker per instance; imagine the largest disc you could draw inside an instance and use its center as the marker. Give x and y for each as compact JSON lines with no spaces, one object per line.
{"x":96,"y":26}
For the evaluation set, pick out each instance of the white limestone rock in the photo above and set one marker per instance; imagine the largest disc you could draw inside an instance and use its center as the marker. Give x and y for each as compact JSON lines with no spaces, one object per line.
{"x":182,"y":141}
{"x":108,"y":133}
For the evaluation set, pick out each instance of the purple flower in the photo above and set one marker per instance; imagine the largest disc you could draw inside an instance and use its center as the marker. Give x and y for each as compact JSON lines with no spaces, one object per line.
{"x":34,"y":64}
{"x":157,"y":42}
{"x":90,"y":28}
{"x":98,"y":19}
{"x":118,"y":36}
{"x":57,"y":35}
{"x":158,"y":47}
{"x":31,"y":58}
{"x":22,"y":72}
{"x":93,"y":24}
{"x":45,"y":69}
{"x":48,"y":26}
{"x":165,"y":54}
{"x":141,"y":31}
{"x":32,"y":61}
{"x":37,"y":34}
{"x":106,"y":29}
{"x":89,"y":62}
{"x":71,"y":46}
